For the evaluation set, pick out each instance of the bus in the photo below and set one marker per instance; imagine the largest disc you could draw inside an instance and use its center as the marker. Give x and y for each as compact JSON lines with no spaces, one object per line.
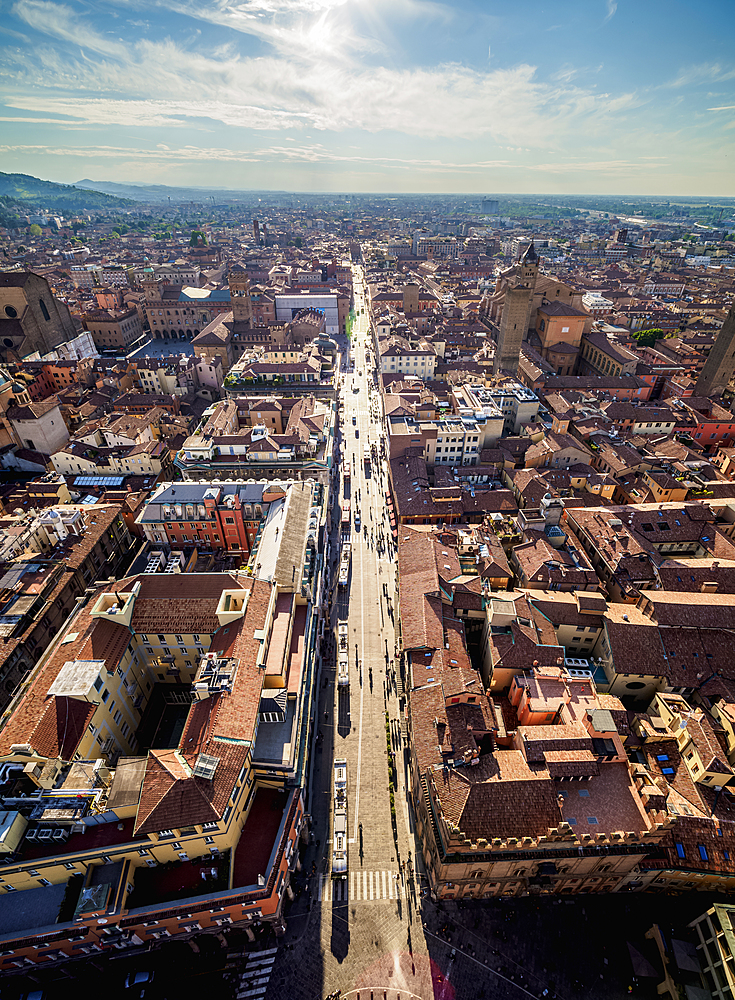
{"x":343,"y":669}
{"x":366,"y":454}
{"x":339,"y":837}
{"x":344,"y":565}
{"x":346,"y":517}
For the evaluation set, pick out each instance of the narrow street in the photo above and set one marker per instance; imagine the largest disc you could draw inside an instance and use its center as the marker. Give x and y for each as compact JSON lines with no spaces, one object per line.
{"x":362,"y":932}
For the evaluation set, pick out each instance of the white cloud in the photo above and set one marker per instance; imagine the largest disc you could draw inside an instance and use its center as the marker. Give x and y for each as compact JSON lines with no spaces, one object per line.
{"x":184,"y":153}
{"x":61,"y":22}
{"x":701,"y":73}
{"x":452,"y":101}
{"x":610,"y":166}
{"x":612,"y":6}
{"x":322,"y":68}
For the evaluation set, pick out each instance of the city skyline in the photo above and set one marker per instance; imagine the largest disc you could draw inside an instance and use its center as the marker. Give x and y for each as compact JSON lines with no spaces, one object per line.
{"x":411,"y":95}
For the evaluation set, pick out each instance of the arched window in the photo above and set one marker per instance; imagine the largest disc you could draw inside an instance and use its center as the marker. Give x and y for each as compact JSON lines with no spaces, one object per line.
{"x":44,"y":310}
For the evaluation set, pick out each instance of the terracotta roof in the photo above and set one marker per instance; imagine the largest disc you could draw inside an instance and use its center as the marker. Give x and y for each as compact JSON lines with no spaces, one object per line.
{"x":61,"y":726}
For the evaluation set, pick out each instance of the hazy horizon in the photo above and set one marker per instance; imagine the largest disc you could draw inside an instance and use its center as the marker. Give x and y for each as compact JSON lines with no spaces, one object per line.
{"x":374,"y":96}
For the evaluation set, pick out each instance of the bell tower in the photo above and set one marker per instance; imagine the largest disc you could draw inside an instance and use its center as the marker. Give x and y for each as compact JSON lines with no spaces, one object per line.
{"x":242,"y":307}
{"x":516,"y":315}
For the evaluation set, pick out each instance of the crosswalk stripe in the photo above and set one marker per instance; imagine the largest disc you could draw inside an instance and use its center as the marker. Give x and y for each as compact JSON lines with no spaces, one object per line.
{"x":255,"y":971}
{"x":262,"y":961}
{"x":365,"y":885}
{"x":259,"y":954}
{"x":263,"y":980}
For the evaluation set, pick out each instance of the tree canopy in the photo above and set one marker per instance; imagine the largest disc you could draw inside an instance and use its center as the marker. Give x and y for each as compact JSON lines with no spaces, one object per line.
{"x":647,"y":338}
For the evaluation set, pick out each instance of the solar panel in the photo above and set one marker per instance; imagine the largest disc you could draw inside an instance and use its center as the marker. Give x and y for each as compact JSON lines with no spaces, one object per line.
{"x":205,"y":766}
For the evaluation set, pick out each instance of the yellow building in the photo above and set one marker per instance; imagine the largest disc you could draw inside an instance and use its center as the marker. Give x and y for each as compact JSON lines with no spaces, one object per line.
{"x":152,"y":764}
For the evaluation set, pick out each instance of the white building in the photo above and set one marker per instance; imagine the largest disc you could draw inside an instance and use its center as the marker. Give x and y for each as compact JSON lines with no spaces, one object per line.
{"x":84,"y":277}
{"x":596,"y":304}
{"x":435,"y":246}
{"x":288,"y":306}
{"x":115,"y":277}
{"x":509,"y":397}
{"x":396,"y":358}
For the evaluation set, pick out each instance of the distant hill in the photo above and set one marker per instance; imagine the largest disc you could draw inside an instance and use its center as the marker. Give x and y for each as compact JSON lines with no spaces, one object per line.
{"x":161,"y":194}
{"x":32,"y":192}
{"x":149,"y":193}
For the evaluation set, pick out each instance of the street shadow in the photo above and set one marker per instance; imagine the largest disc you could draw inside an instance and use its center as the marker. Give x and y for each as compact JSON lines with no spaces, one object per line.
{"x":340,"y":941}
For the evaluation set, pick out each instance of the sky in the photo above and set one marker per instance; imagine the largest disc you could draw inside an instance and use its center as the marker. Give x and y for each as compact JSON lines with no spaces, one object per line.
{"x":576,"y":96}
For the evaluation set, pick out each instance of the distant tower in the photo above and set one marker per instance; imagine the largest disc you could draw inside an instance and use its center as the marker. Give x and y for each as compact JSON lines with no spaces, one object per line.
{"x":489,"y":206}
{"x":256,"y":232}
{"x":720,"y":364}
{"x":242,"y":306}
{"x":411,"y":297}
{"x":516,"y":315}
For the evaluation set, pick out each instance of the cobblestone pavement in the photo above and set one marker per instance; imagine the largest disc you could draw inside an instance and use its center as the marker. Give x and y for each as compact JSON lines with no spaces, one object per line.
{"x":364,"y":933}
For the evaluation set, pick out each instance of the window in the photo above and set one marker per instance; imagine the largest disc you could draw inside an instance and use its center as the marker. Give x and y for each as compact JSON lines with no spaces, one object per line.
{"x":105,"y":696}
{"x":703,"y":852}
{"x":680,"y":852}
{"x":667,"y":771}
{"x":662,"y":756}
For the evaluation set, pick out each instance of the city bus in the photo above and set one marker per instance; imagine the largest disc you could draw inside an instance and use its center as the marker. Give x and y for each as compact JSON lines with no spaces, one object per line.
{"x":344,"y":565}
{"x":339,"y":835}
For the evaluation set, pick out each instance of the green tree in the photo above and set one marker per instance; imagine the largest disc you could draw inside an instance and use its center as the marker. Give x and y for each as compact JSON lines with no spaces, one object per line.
{"x":197,"y":238}
{"x":35,"y":229}
{"x":647,"y":338}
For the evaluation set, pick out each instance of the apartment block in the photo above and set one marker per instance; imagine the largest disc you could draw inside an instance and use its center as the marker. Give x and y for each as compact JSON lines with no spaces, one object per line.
{"x":167,"y":725}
